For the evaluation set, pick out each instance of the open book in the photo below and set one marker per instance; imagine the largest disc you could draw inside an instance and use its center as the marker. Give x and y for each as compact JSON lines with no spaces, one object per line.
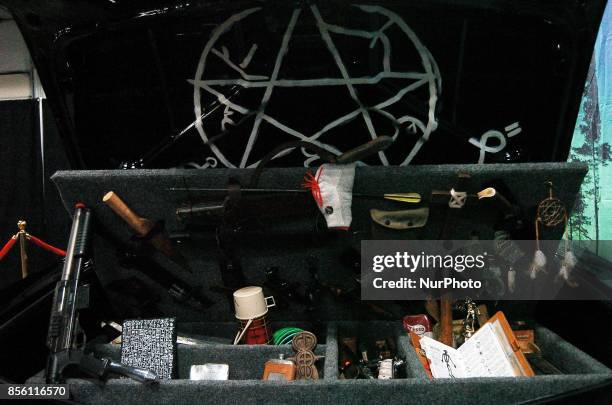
{"x":491,"y":352}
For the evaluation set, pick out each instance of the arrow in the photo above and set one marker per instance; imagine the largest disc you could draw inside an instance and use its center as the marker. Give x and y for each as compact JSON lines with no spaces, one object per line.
{"x":411,"y":198}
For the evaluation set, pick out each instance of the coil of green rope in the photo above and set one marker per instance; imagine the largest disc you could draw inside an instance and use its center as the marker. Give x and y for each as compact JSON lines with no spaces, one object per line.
{"x":285,"y":335}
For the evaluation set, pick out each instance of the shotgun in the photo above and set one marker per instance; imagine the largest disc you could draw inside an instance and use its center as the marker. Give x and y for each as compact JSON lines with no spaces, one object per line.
{"x":65,"y":333}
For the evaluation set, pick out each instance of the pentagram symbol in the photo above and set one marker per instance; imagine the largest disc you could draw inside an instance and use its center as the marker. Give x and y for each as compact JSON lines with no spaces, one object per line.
{"x":218,"y":71}
{"x":551,"y":212}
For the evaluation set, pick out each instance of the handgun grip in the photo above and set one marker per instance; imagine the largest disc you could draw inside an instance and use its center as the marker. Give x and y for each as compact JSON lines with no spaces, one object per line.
{"x":141,"y":226}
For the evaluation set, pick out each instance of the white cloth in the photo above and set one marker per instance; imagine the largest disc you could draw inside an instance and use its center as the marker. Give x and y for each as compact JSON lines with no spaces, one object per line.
{"x":333,"y":192}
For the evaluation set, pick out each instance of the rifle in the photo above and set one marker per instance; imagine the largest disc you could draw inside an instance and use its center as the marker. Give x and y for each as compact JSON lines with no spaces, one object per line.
{"x":64,"y":329}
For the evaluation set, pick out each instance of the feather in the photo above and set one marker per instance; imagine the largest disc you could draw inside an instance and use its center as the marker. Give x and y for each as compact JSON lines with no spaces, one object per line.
{"x":570,"y":259}
{"x":511,"y":280}
{"x":567,"y":265}
{"x":538,"y":264}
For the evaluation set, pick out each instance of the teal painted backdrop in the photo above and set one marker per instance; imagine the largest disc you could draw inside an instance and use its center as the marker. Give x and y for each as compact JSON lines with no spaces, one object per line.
{"x":591,"y":144}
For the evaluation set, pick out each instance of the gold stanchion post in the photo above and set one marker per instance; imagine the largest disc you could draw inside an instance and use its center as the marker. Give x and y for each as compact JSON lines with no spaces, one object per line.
{"x":23,"y":236}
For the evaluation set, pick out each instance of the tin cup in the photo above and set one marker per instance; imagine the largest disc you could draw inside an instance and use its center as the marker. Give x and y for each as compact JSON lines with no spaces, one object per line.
{"x":251,"y":308}
{"x":250,"y":303}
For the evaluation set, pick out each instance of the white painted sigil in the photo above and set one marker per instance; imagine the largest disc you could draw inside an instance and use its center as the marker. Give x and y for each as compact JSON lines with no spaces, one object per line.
{"x":429,"y":78}
{"x":486,"y":147}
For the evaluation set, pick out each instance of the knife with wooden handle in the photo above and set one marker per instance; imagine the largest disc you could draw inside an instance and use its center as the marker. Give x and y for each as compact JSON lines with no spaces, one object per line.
{"x":144,"y":228}
{"x":140,"y":225}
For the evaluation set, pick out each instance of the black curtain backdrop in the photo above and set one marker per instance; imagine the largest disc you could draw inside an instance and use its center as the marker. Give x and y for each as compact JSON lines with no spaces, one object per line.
{"x":23,"y":195}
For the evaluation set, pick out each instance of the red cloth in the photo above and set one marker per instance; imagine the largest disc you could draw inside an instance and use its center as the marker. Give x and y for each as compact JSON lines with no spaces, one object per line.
{"x":46,"y":246}
{"x":7,"y":247}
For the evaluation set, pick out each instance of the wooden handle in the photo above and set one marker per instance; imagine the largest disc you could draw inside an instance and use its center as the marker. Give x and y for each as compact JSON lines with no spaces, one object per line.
{"x":141,"y":226}
{"x":488,"y":192}
{"x":446,"y":320}
{"x":362,"y":151}
{"x":433,"y":309}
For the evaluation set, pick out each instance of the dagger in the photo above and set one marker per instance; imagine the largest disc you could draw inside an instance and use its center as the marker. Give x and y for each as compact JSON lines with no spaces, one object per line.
{"x":145,"y":228}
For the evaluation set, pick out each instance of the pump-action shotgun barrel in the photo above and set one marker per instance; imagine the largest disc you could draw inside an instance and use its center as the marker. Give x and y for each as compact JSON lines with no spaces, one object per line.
{"x":64,"y":328}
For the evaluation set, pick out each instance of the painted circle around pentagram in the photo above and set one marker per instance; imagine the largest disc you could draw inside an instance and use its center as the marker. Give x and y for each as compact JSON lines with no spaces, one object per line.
{"x":419,"y":128}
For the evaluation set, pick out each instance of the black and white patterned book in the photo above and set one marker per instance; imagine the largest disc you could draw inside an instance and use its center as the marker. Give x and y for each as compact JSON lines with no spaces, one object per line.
{"x":150,"y":344}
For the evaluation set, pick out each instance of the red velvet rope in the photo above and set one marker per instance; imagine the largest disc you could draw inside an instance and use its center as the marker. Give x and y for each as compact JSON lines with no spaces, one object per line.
{"x":7,"y":247}
{"x":46,"y":246}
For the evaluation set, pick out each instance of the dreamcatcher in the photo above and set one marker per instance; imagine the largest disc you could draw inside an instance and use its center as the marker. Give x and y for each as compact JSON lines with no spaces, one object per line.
{"x":551,"y":212}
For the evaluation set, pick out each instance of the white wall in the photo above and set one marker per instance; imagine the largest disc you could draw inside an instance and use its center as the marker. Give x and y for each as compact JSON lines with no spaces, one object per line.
{"x":17,"y":77}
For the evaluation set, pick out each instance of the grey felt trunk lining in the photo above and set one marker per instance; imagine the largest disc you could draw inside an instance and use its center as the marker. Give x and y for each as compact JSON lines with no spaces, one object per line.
{"x":287,"y":243}
{"x":247,"y":362}
{"x":286,"y":246}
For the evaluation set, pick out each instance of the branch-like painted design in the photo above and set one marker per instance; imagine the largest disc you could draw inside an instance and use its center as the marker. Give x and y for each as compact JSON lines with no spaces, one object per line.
{"x":430,"y":77}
